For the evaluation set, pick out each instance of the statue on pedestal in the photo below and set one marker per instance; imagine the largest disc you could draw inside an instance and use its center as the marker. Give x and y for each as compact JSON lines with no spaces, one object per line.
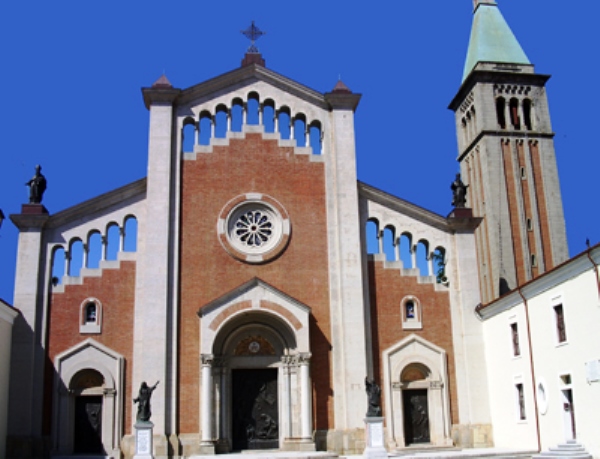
{"x":374,"y":396}
{"x":459,"y":192}
{"x":143,"y":401}
{"x":37,"y":186}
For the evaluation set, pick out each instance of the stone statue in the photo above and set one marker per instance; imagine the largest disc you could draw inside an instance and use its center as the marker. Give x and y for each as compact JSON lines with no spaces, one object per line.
{"x":374,"y":396}
{"x":37,"y":186}
{"x":459,"y":192}
{"x":143,"y":401}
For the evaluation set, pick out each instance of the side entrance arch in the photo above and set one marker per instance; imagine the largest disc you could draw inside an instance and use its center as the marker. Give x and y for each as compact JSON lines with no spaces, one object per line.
{"x":416,"y":394}
{"x":88,"y":401}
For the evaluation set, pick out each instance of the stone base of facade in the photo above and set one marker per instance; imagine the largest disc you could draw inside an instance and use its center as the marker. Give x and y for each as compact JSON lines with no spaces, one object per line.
{"x":473,"y":435}
{"x":350,"y":441}
{"x":298,"y":445}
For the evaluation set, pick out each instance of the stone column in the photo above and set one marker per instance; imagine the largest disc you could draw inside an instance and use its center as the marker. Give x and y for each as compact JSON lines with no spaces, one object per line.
{"x":305,"y":396}
{"x":206,"y":403}
{"x":286,"y":414}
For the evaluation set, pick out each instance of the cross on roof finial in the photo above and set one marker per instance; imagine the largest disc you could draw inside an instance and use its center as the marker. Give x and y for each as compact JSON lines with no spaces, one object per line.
{"x":253,"y":33}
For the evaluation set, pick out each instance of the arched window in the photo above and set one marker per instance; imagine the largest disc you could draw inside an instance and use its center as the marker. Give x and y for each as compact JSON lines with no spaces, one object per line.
{"x":205,"y":128}
{"x":188,"y":135}
{"x":527,"y":114}
{"x":315,"y":138}
{"x":94,"y":250}
{"x":411,"y":313}
{"x":58,"y":265}
{"x":75,"y":257}
{"x":131,"y":226}
{"x":90,"y":316}
{"x":423,"y":258}
{"x":252,"y":108}
{"x":406,"y":251}
{"x":221,"y":122}
{"x":439,"y":265}
{"x":283,"y":122}
{"x":300,"y":130}
{"x":372,"y":239}
{"x":501,"y":112}
{"x":515,"y":120}
{"x":388,"y":243}
{"x":269,"y":115}
{"x":237,"y":115}
{"x":113,"y":236}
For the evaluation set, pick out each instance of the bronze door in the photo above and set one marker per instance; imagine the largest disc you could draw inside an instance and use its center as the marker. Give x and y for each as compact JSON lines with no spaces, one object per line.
{"x":416,"y":416}
{"x":255,"y":414}
{"x":88,"y":425}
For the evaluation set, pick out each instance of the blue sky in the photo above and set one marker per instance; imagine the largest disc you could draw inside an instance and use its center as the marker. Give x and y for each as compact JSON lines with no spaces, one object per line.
{"x":72,"y":72}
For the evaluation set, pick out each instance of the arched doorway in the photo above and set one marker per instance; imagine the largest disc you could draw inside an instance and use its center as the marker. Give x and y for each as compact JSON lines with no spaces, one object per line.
{"x":255,"y":376}
{"x":87,"y":387}
{"x":88,"y":401}
{"x":415,"y":405}
{"x":416,"y":393}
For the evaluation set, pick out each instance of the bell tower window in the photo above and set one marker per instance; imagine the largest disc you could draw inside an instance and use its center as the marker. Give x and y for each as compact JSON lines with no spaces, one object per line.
{"x":500,"y":112}
{"x":515,"y":120}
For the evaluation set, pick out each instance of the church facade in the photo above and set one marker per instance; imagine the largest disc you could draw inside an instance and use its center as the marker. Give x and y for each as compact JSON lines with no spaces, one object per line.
{"x":260,"y":329}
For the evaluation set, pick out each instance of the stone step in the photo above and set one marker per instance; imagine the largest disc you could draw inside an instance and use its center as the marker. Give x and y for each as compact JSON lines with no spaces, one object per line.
{"x":571,"y":449}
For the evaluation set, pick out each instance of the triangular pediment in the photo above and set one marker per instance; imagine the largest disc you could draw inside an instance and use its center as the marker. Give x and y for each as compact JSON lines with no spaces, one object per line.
{"x":252,"y":302}
{"x":253,"y":290}
{"x":241,"y":77}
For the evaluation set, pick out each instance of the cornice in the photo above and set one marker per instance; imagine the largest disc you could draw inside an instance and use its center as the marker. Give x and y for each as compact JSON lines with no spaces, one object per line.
{"x":489,"y":76}
{"x":562,"y":273}
{"x":99,"y":203}
{"x":529,"y":135}
{"x":405,"y":207}
{"x":248,"y":75}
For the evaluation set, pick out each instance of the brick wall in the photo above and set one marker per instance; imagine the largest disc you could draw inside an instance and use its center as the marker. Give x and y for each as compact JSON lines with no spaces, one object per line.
{"x":208,"y":271}
{"x":115,"y":289}
{"x":387,"y":288}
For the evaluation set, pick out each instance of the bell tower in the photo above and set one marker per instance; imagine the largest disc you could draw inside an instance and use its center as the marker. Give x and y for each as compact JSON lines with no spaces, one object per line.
{"x":506,"y":156}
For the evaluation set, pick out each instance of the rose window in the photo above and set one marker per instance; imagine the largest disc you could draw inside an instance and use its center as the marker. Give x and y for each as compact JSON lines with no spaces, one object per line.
{"x":254,"y":228}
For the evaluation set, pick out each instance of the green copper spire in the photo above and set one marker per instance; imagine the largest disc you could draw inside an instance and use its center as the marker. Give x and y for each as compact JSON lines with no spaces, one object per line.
{"x":491,"y":38}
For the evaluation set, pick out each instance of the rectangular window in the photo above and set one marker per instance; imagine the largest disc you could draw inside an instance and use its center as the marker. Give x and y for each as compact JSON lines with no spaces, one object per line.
{"x":561,"y":332}
{"x":514,"y":329}
{"x":521,"y":401}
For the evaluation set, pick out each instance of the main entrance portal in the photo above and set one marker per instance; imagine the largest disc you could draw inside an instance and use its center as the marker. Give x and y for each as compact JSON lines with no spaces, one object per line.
{"x":416,"y":416}
{"x":255,"y":411}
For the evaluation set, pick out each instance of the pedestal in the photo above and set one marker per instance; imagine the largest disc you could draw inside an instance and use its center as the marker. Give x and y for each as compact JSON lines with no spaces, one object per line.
{"x":143,"y":440}
{"x":375,"y":442}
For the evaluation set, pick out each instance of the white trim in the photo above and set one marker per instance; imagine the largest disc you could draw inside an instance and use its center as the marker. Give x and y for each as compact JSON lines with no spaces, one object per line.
{"x":8,"y":313}
{"x":89,"y":354}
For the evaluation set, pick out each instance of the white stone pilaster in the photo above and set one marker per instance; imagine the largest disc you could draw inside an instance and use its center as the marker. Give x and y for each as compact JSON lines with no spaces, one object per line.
{"x":347,"y":295}
{"x":27,"y":355}
{"x":153,"y":298}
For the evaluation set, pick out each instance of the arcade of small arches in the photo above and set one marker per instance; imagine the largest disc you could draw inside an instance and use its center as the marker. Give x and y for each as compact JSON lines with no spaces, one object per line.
{"x":68,"y":259}
{"x":400,"y":246}
{"x":273,"y":119}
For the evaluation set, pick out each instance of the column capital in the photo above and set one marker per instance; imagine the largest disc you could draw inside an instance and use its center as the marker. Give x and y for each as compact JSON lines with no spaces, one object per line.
{"x":207,"y":360}
{"x":304,"y":358}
